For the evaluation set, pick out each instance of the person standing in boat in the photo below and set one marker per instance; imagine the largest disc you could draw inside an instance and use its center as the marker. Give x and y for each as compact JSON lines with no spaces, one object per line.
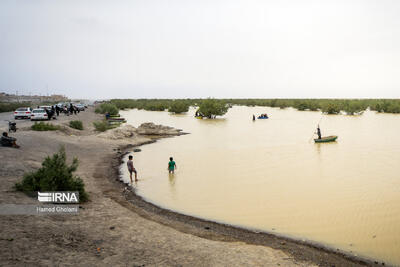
{"x":319,"y":132}
{"x":254,"y":117}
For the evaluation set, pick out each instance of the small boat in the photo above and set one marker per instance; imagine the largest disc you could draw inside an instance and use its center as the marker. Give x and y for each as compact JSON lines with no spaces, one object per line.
{"x":331,"y":138}
{"x":115,"y":116}
{"x":262,"y":118}
{"x":199,"y":117}
{"x":116,"y":119}
{"x":115,"y":122}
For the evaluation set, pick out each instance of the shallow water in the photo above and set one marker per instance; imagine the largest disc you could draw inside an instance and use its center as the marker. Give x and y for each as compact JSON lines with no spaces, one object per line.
{"x":266,"y":175}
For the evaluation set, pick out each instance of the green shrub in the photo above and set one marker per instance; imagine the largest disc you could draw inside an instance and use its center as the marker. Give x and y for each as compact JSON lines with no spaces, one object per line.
{"x":387,"y":106}
{"x":392,"y":108}
{"x":42,"y":126}
{"x":104,"y":125}
{"x":156,"y":106}
{"x":331,"y":108}
{"x":353,"y":107}
{"x":178,"y":106}
{"x":54,"y":175}
{"x":76,"y":125}
{"x":301,"y":106}
{"x":107,"y":107}
{"x":213,"y":107}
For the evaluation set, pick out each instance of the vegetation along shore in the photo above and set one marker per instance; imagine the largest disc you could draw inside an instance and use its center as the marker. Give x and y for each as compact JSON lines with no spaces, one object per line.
{"x":329,"y":106}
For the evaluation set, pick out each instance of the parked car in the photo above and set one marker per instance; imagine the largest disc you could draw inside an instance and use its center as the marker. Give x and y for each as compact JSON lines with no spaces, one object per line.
{"x":24,"y":113}
{"x":45,"y":107}
{"x":80,"y":107}
{"x":39,"y":114}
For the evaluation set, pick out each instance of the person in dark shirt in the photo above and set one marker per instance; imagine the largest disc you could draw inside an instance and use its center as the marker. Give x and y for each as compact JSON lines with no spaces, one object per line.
{"x":8,"y":140}
{"x":48,"y":113}
{"x":71,"y":108}
{"x":53,"y":110}
{"x":319,"y":132}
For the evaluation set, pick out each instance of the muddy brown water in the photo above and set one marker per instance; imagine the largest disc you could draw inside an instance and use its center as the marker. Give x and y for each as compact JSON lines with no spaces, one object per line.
{"x":266,"y":175}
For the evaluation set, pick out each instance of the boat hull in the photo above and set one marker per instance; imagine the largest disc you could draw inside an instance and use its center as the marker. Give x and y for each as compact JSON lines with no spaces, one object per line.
{"x":326,"y":139}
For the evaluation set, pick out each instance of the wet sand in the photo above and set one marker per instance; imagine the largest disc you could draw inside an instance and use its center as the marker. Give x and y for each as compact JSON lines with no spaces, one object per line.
{"x":118,"y":228}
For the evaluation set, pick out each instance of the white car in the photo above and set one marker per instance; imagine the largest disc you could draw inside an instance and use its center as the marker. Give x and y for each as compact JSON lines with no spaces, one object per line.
{"x":45,"y":107}
{"x":39,"y":114}
{"x":24,"y":113}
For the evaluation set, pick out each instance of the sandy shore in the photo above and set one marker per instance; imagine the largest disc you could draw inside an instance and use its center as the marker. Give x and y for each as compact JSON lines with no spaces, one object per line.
{"x":118,"y":228}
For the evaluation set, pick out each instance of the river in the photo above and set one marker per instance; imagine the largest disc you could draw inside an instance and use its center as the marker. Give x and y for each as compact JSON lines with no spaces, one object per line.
{"x":267,"y":175}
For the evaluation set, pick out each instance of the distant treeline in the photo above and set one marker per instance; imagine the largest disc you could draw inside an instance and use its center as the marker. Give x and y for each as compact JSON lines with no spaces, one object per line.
{"x":329,"y":106}
{"x":12,"y":106}
{"x":176,"y":106}
{"x":6,"y":106}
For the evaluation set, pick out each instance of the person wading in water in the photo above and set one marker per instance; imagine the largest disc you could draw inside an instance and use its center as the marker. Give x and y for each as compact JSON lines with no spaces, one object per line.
{"x":131,"y":169}
{"x":171,"y":165}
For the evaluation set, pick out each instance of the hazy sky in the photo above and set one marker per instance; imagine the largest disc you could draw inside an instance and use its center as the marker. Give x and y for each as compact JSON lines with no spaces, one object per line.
{"x":207,"y":48}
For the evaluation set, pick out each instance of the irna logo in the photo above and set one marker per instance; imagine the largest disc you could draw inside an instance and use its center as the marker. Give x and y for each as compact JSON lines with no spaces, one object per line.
{"x":58,"y":197}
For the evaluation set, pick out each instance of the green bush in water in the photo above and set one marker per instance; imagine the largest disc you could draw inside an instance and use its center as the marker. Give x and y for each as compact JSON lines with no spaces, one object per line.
{"x":42,"y":126}
{"x":387,"y":106}
{"x":54,"y":175}
{"x":76,"y":125}
{"x":331,"y":108}
{"x":212,"y":107}
{"x":178,"y":106}
{"x":301,"y":106}
{"x":353,"y":107}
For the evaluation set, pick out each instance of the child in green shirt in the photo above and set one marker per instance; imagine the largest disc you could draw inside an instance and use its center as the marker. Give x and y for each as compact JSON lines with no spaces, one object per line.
{"x":171,"y":165}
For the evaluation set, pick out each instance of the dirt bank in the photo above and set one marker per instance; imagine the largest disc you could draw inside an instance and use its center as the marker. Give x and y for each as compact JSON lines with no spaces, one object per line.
{"x":110,"y":230}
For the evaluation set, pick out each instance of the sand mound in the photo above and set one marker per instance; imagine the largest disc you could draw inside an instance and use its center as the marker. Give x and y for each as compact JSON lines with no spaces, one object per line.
{"x":125,"y":131}
{"x":150,"y":128}
{"x":145,"y":129}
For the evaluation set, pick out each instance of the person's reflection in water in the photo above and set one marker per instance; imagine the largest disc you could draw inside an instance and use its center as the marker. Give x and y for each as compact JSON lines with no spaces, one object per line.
{"x":318,"y":146}
{"x":172,"y":187}
{"x":171,"y":177}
